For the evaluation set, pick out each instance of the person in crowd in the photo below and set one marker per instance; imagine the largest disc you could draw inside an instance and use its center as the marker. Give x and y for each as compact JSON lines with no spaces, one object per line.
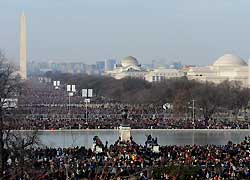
{"x":131,"y":160}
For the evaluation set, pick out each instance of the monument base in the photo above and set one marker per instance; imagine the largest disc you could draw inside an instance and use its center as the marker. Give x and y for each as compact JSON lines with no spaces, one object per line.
{"x":125,"y":133}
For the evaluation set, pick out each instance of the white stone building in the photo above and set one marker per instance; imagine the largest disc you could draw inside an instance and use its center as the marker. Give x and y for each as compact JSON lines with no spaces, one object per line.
{"x":159,"y":74}
{"x":130,"y":67}
{"x":228,"y":67}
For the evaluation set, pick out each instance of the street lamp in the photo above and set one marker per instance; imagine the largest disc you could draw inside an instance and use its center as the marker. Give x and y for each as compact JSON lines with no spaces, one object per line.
{"x":193,"y":114}
{"x":56,"y":84}
{"x":166,"y":107}
{"x":71,"y":89}
{"x":87,"y":94}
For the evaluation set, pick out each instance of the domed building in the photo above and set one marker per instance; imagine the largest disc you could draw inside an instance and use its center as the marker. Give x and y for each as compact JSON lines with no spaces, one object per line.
{"x":228,"y":67}
{"x":129,"y":61}
{"x":129,"y":67}
{"x":230,"y":60}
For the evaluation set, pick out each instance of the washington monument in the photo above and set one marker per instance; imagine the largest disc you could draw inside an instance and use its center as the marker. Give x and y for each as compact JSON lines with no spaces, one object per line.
{"x":23,"y":72}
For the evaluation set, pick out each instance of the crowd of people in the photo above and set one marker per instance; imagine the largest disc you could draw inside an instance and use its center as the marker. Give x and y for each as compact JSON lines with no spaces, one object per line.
{"x":109,"y":116}
{"x":128,"y":160}
{"x":43,"y":107}
{"x":48,"y":109}
{"x":136,"y":123}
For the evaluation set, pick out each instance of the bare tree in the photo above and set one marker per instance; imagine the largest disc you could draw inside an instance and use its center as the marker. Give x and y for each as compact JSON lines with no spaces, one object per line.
{"x":8,"y":84}
{"x":11,"y":142}
{"x":207,"y":98}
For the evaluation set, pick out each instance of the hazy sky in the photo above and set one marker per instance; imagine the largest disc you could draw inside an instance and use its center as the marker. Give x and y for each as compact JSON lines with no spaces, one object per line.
{"x":192,"y":31}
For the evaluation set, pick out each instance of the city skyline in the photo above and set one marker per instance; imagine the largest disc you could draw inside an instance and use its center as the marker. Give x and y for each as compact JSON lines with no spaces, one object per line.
{"x":91,"y":31}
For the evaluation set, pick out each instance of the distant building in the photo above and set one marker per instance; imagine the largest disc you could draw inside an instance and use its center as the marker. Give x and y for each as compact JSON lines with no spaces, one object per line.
{"x":39,"y":68}
{"x":91,"y":70}
{"x":100,"y":66}
{"x":160,"y":74}
{"x":228,"y":67}
{"x":130,"y":67}
{"x":110,"y":64}
{"x":155,"y":64}
{"x":55,"y":67}
{"x":32,"y":68}
{"x":175,"y":65}
{"x":73,"y":68}
{"x":147,"y":66}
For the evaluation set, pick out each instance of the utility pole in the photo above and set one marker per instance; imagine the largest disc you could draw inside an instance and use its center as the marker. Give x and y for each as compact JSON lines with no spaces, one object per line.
{"x":71,"y":89}
{"x":87,"y":94}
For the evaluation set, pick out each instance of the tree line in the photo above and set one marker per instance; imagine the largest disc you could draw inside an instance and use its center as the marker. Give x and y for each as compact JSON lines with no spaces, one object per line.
{"x":209,"y":97}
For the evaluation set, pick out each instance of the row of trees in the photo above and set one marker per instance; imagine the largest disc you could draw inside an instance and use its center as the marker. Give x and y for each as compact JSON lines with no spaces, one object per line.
{"x":6,"y":88}
{"x":209,"y":97}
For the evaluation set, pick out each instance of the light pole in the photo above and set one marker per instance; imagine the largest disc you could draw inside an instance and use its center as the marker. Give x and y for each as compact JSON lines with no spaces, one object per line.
{"x":56,"y":84}
{"x":71,"y":89}
{"x":166,"y":107}
{"x":87,"y":94}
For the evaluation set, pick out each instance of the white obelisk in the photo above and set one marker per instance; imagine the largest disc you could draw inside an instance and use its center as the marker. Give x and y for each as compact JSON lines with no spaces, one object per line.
{"x":23,"y":72}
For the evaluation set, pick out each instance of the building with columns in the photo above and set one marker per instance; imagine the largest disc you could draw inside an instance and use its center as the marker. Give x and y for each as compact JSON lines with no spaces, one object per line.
{"x":228,"y":67}
{"x":130,"y":67}
{"x":161,"y":73}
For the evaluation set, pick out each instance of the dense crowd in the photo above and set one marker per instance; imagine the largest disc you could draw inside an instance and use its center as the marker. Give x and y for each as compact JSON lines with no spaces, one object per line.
{"x":133,"y":161}
{"x":109,"y":116}
{"x":135,"y":123}
{"x":44,"y":107}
